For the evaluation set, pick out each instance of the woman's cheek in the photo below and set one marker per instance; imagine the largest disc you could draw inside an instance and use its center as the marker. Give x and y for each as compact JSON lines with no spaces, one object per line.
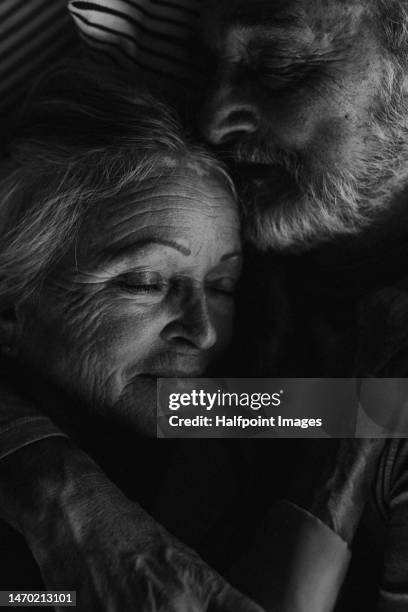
{"x":133,"y":332}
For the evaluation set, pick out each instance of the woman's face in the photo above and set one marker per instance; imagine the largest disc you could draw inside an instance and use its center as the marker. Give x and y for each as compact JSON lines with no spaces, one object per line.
{"x":147,"y":292}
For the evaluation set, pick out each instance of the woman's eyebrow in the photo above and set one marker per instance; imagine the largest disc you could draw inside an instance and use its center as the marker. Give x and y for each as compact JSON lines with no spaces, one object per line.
{"x":131,"y":249}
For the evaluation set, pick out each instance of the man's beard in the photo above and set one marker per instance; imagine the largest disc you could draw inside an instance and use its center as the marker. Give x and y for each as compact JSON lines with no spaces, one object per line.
{"x":289,"y":207}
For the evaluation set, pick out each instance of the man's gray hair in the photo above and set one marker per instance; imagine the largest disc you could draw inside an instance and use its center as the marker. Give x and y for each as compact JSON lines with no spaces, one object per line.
{"x":79,"y":143}
{"x":392,"y":18}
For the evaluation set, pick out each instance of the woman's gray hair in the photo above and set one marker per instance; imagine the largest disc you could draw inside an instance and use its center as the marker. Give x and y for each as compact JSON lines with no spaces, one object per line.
{"x":77,"y":144}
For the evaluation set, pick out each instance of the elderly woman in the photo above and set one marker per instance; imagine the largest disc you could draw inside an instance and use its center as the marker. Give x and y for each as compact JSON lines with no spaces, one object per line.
{"x":120,"y":251}
{"x":119,"y":255}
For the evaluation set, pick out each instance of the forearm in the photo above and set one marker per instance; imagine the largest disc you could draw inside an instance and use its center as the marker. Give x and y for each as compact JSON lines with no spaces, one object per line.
{"x":87,"y":536}
{"x":41,"y":478}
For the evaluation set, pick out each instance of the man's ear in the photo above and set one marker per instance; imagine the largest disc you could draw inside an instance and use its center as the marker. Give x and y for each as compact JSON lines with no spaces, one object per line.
{"x":8,"y":330}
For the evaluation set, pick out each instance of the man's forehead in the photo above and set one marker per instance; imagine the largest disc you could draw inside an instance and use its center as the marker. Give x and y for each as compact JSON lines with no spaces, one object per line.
{"x":286,"y":14}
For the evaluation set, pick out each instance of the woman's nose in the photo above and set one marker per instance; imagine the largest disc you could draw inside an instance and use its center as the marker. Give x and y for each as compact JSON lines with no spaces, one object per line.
{"x":192,"y":325}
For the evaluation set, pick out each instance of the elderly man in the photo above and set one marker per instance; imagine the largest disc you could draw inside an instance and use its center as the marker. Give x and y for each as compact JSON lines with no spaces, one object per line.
{"x":309,"y":102}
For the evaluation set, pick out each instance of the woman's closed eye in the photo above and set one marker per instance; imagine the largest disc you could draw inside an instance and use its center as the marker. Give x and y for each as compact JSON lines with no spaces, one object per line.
{"x":142,"y":282}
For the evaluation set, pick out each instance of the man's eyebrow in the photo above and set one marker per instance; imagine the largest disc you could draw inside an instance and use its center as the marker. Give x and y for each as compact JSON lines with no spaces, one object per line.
{"x":121,"y":252}
{"x":231,"y":255}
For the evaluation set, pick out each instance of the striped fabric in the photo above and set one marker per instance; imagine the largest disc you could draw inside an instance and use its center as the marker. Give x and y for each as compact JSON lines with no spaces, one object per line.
{"x":152,"y":35}
{"x":33,"y":34}
{"x":155,"y":36}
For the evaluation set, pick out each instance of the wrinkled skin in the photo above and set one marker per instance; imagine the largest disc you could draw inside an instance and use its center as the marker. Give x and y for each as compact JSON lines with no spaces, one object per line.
{"x":297,"y":105}
{"x":147,"y":292}
{"x":87,"y":536}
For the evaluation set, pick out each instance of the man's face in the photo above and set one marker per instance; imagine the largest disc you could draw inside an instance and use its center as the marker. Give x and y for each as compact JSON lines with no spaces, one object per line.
{"x":296,"y":104}
{"x":146,"y":292}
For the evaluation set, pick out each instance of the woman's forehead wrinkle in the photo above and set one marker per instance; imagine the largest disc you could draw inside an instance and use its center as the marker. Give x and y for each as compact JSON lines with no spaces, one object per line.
{"x":139,"y":219}
{"x":175,"y":222}
{"x":202,"y":193}
{"x":160,"y":210}
{"x":175,"y":207}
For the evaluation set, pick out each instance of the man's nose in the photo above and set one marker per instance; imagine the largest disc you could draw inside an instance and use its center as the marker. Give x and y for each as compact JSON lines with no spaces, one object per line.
{"x":193,"y":324}
{"x":225,"y":118}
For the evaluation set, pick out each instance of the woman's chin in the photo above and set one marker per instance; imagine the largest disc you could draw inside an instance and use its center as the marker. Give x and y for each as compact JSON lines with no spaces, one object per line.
{"x":136,"y":407}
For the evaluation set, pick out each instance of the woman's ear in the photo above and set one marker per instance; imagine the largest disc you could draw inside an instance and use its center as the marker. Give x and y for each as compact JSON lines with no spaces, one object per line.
{"x":8,"y":330}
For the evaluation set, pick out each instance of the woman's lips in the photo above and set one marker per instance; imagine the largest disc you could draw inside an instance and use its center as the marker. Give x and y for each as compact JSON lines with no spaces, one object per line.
{"x":176,"y":373}
{"x":177,"y":366}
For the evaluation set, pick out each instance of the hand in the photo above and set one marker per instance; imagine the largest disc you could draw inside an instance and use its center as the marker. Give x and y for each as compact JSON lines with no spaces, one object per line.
{"x":87,"y":536}
{"x":295,"y":562}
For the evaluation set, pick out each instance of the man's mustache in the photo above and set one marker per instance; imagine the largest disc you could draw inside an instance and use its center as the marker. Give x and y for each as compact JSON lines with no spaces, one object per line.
{"x":262,"y":152}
